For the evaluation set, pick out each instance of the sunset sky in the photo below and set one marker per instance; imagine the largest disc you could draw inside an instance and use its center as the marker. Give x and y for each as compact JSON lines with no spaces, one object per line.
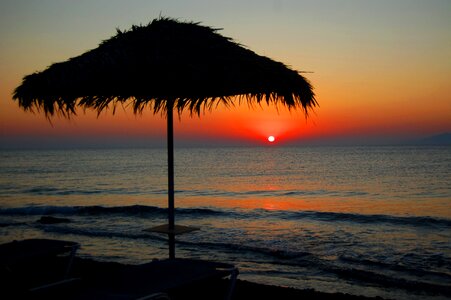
{"x":381,"y":69}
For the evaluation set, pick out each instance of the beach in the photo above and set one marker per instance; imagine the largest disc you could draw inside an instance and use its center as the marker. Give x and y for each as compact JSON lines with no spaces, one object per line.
{"x":91,"y":279}
{"x":364,"y":221}
{"x":244,"y":289}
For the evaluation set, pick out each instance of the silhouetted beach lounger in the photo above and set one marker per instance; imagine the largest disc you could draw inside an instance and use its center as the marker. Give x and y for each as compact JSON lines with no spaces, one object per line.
{"x":31,"y":266}
{"x":155,"y":280}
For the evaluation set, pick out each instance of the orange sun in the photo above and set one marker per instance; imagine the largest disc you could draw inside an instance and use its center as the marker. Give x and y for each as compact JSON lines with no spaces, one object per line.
{"x":271,"y":139}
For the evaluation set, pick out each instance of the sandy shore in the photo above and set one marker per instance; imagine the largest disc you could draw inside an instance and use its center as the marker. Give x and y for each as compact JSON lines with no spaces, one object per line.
{"x":28,"y":271}
{"x":93,"y":271}
{"x":109,"y":280}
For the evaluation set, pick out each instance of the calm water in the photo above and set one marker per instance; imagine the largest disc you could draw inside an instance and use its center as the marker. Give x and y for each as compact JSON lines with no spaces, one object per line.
{"x":372,"y":221}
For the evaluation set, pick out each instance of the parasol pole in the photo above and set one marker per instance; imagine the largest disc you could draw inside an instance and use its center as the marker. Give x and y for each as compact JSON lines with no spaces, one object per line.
{"x":171,"y":218}
{"x":170,"y":228}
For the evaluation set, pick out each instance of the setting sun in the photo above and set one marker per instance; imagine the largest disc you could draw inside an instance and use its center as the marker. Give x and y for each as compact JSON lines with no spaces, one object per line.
{"x":271,"y":138}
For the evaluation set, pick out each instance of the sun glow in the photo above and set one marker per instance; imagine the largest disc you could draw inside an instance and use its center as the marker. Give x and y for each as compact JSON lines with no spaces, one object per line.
{"x":271,"y":139}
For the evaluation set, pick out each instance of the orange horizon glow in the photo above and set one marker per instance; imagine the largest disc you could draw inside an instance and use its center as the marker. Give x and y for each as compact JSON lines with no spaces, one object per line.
{"x":235,"y":123}
{"x":371,"y":78}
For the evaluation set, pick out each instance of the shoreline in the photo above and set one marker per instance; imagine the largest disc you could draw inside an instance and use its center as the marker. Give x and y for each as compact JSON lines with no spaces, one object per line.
{"x":91,"y":270}
{"x":57,"y":276}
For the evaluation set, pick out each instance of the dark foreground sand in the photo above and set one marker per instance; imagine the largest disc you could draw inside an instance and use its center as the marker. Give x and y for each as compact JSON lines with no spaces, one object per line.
{"x":94,"y":276}
{"x":93,"y":270}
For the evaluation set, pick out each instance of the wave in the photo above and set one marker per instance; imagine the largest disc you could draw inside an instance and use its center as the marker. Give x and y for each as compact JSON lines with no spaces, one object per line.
{"x":417,"y":221}
{"x":55,"y":191}
{"x":386,"y":281}
{"x":7,"y":224}
{"x":39,"y":210}
{"x":52,"y":191}
{"x":146,"y":211}
{"x":361,"y":271}
{"x":130,"y":210}
{"x":438,"y":261}
{"x":208,"y":193}
{"x":99,"y":233}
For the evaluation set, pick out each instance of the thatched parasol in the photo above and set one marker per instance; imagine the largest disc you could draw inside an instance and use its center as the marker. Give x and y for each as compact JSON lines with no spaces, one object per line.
{"x":165,"y":65}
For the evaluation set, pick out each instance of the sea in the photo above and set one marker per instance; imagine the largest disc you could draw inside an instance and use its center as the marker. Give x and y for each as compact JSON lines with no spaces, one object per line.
{"x":369,"y":220}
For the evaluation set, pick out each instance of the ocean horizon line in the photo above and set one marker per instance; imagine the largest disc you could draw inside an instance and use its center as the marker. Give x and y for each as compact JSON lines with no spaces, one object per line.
{"x":99,"y":144}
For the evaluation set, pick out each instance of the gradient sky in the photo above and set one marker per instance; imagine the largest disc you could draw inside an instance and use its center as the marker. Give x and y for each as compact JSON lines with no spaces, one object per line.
{"x":381,"y":69}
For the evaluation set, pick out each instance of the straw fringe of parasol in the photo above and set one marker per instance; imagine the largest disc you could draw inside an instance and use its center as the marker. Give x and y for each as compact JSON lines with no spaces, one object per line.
{"x":191,"y":65}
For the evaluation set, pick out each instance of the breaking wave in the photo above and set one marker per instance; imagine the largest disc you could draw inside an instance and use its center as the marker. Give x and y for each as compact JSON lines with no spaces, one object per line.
{"x":146,"y":211}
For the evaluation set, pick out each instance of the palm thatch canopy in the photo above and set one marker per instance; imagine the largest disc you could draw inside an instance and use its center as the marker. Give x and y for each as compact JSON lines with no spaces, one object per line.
{"x":191,"y":65}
